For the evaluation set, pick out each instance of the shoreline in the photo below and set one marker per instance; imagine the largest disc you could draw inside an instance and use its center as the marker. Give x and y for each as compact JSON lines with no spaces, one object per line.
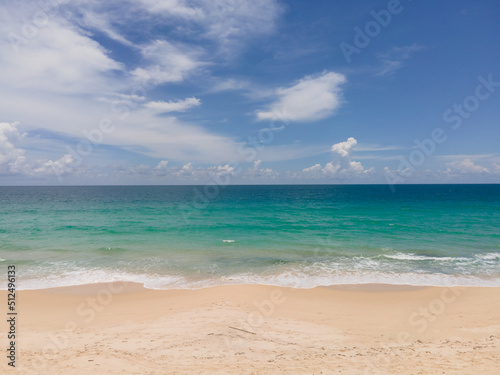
{"x":258,"y":329}
{"x":137,"y":287}
{"x":363,"y":286}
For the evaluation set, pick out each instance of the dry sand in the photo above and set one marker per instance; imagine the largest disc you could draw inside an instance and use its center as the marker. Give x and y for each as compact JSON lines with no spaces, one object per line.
{"x":125,"y":329}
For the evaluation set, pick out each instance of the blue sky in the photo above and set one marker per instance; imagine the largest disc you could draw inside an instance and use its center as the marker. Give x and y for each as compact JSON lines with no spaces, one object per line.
{"x":262,"y":91}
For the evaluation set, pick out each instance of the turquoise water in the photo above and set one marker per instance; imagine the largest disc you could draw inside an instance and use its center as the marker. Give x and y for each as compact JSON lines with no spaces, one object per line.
{"x":300,"y":236}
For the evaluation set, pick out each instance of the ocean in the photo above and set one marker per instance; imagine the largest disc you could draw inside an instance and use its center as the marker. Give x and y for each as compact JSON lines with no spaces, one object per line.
{"x":298,"y":236}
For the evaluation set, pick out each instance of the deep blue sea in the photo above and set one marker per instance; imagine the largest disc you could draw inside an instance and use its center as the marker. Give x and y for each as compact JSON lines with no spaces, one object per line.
{"x":298,"y":236}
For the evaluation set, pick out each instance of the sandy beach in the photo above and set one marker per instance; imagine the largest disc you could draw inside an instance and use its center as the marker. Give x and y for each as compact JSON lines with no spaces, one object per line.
{"x":122,"y":328}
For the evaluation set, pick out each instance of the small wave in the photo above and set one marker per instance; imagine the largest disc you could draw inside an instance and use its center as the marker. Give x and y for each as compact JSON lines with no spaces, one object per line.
{"x":295,"y":277}
{"x":301,"y":280}
{"x":230,"y":241}
{"x":402,"y":256}
{"x":3,"y":260}
{"x":411,"y":256}
{"x":83,"y":277}
{"x":488,"y":256}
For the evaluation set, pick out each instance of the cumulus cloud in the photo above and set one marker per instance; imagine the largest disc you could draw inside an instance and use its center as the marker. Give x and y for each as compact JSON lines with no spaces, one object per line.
{"x":221,"y":170}
{"x":218,"y":174}
{"x":344,"y":149}
{"x":341,"y":165}
{"x":174,"y":106}
{"x":162,"y":165}
{"x":12,"y":159}
{"x":185,"y":171}
{"x":256,"y":172}
{"x":312,"y":98}
{"x":466,"y":166}
{"x":64,"y":166}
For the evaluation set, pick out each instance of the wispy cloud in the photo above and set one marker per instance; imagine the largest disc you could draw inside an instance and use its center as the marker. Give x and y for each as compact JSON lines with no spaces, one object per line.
{"x":369,"y":147}
{"x":97,"y":21}
{"x":173,"y":106}
{"x":395,"y":58}
{"x":167,"y":62}
{"x":177,"y":8}
{"x":225,"y":22}
{"x":60,"y":59}
{"x":312,"y":98}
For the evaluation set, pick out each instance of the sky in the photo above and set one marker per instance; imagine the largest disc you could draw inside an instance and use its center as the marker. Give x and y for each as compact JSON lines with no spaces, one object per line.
{"x":249,"y":92}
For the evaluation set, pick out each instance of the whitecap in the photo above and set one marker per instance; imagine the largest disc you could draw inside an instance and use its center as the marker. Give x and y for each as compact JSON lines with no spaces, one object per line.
{"x":488,"y":256}
{"x":412,"y":256}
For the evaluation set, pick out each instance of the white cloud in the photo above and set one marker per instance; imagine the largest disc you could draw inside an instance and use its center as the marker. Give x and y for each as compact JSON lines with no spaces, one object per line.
{"x":256,"y":172}
{"x":221,"y":170}
{"x":230,"y":21}
{"x":162,"y":165}
{"x":342,"y":165}
{"x":466,"y":166}
{"x":312,"y":98}
{"x":57,"y":58}
{"x":12,"y":159}
{"x":62,"y":167}
{"x":315,"y":169}
{"x":221,"y":173}
{"x":185,"y":171}
{"x":97,"y":20}
{"x":62,"y":81}
{"x":167,"y":62}
{"x":168,"y":138}
{"x":225,"y":22}
{"x":344,"y":149}
{"x":174,"y":106}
